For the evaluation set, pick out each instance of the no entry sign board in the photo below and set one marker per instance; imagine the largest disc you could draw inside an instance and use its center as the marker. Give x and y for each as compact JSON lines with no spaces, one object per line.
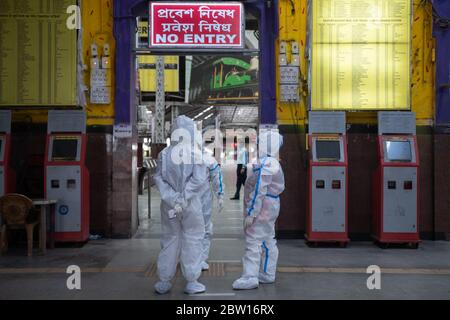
{"x":197,"y":25}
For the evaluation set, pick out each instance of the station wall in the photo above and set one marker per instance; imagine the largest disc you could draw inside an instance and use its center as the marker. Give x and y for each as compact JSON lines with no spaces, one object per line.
{"x":362,"y":134}
{"x":97,"y":17}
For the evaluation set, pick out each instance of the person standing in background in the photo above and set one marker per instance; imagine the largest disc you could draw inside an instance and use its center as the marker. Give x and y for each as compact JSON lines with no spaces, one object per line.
{"x":215,"y":186}
{"x":241,"y":172}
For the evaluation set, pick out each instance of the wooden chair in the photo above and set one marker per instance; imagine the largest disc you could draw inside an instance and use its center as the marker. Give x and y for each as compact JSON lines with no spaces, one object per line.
{"x":15,"y":211}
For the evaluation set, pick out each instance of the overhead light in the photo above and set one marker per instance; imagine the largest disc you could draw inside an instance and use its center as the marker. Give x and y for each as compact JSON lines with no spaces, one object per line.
{"x":203,"y":112}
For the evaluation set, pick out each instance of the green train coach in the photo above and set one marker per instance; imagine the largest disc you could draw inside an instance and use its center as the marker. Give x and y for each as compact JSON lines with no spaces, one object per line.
{"x":226,"y":80}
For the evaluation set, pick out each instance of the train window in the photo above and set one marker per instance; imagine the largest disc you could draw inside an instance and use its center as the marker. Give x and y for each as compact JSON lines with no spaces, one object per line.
{"x":328,"y":150}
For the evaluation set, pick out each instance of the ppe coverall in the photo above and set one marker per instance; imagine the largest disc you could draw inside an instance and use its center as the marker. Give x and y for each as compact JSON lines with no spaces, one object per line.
{"x":264,"y":185}
{"x":215,"y":181}
{"x":179,"y":185}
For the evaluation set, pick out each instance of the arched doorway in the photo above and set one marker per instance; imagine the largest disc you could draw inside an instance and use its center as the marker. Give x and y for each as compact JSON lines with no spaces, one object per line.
{"x":125,"y":13}
{"x":124,"y":153}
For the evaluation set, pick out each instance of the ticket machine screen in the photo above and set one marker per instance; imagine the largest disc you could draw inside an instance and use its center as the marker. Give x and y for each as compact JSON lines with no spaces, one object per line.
{"x":65,"y":149}
{"x":328,"y":150}
{"x":398,"y":151}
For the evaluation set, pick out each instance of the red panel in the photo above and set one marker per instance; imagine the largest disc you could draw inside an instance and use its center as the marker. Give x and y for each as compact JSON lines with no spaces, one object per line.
{"x":83,"y":235}
{"x":9,"y":174}
{"x":326,"y":236}
{"x":378,"y":222}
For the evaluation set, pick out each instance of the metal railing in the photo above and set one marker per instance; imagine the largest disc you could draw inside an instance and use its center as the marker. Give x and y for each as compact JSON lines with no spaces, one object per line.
{"x":151,"y":166}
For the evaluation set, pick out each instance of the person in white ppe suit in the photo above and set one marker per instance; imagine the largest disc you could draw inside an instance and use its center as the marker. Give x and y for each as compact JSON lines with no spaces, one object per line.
{"x":265,"y":183}
{"x":215,"y":185}
{"x":179,"y":179}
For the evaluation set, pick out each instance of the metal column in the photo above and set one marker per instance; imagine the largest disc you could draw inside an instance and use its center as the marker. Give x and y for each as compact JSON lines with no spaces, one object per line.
{"x":442,"y":36}
{"x":175,"y":112}
{"x":160,"y":106}
{"x":149,"y":193}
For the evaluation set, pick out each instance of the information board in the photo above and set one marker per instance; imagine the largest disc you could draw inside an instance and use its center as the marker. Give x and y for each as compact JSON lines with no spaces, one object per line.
{"x":361,"y":54}
{"x":38,"y":53}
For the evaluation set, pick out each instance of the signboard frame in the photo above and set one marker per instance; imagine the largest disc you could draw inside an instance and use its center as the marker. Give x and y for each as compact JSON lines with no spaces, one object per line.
{"x":309,"y":56}
{"x":194,"y":47}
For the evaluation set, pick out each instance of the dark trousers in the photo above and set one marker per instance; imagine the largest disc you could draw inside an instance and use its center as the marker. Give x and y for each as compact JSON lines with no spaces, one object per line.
{"x":241,"y":177}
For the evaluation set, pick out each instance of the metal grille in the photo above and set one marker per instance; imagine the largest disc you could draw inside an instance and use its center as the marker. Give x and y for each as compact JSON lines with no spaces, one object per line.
{"x":160,"y":106}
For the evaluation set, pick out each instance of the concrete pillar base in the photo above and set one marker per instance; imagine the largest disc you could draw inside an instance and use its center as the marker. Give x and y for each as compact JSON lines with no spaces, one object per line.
{"x":124,"y":218}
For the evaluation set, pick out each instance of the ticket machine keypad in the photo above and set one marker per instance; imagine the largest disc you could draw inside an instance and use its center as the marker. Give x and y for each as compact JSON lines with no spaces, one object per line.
{"x":320,"y":184}
{"x":335,"y":184}
{"x":71,"y":184}
{"x":407,"y":185}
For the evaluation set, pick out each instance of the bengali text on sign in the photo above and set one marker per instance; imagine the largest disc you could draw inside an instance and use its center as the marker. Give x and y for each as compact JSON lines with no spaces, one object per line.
{"x":196,"y":25}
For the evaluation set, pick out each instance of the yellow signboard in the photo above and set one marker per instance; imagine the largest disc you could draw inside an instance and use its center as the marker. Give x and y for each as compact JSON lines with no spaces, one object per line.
{"x":143,"y":29}
{"x":147,"y":73}
{"x":361,"y":53}
{"x":38,"y":53}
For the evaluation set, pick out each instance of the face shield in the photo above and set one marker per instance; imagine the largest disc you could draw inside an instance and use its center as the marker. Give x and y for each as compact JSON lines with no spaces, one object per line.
{"x":269,"y":143}
{"x":186,"y":141}
{"x":184,"y":132}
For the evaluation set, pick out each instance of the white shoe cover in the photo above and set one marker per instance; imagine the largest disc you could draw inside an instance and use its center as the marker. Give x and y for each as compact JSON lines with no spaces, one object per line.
{"x":266,"y":279}
{"x":163,"y":287}
{"x":194,"y":287}
{"x":245,"y":284}
{"x":205,"y":266}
